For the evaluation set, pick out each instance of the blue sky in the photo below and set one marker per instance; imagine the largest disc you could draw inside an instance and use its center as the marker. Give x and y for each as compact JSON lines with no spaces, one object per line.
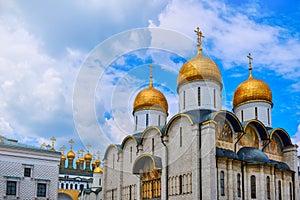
{"x":46,"y":45}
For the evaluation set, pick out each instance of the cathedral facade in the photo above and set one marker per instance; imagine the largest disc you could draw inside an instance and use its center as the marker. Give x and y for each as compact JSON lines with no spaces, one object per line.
{"x":203,"y":152}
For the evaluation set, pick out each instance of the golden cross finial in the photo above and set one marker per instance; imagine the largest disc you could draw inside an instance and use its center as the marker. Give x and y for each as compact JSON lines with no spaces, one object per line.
{"x":199,"y":40}
{"x":78,"y":154}
{"x":250,"y":64}
{"x":151,"y":77}
{"x":98,"y":154}
{"x":62,"y":149}
{"x":53,"y":139}
{"x":88,"y":147}
{"x":71,"y":142}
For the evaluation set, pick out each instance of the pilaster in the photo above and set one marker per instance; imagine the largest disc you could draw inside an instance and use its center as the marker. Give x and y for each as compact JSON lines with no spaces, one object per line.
{"x":208,"y":161}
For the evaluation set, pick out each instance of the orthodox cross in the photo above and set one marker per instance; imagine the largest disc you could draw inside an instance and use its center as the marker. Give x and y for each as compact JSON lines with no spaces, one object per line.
{"x":250,"y":63}
{"x":71,"y":142}
{"x":88,"y":147}
{"x":78,"y":154}
{"x":53,"y":139}
{"x":62,"y":149}
{"x":151,"y":77}
{"x":98,"y":154}
{"x":199,"y":39}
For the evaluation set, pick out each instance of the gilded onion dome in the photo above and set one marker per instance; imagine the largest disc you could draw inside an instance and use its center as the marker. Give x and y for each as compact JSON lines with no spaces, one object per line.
{"x":150,"y":98}
{"x":199,"y":67}
{"x":63,"y":157}
{"x":98,"y":170}
{"x":71,"y":155}
{"x":252,"y":90}
{"x":98,"y":162}
{"x":88,"y":157}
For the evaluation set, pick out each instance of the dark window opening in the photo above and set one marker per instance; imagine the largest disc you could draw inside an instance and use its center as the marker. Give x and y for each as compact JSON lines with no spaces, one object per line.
{"x":41,"y":190}
{"x":238,"y":185}
{"x":253,"y":187}
{"x":27,"y":172}
{"x":11,"y":188}
{"x":222,"y":183}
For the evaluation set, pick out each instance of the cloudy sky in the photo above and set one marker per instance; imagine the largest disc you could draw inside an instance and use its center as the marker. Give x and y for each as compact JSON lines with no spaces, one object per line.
{"x":71,"y":69}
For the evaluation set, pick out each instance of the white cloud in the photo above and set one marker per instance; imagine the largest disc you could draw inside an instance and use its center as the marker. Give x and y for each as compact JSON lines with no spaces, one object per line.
{"x":296,"y":138}
{"x":232,"y":33}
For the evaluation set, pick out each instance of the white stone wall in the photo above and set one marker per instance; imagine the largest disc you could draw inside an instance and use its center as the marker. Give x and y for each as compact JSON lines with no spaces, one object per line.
{"x":264,"y":112}
{"x":45,"y":169}
{"x":155,"y":118}
{"x":208,"y":100}
{"x":112,"y":168}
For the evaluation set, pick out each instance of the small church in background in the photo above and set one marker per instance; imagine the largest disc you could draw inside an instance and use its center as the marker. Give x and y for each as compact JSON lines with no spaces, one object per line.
{"x":203,"y":152}
{"x":81,"y":178}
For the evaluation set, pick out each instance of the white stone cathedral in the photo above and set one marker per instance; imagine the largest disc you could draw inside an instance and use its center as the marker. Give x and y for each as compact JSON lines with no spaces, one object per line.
{"x":203,"y":152}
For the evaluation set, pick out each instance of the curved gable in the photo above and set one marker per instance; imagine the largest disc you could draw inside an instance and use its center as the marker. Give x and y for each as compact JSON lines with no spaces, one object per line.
{"x":111,"y":146}
{"x":283,"y":135}
{"x":230,"y":117}
{"x":261,"y":129}
{"x":126,"y":139}
{"x":148,"y":130}
{"x":175,"y":117}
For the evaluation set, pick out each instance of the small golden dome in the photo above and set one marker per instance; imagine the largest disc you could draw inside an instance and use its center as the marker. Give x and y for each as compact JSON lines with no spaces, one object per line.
{"x":97,"y":162}
{"x":88,"y":157}
{"x":150,"y":98}
{"x":63,"y":157}
{"x":252,"y":90}
{"x":199,"y":68}
{"x":71,"y":155}
{"x":81,"y":160}
{"x":98,"y":170}
{"x":77,"y":161}
{"x":93,"y":164}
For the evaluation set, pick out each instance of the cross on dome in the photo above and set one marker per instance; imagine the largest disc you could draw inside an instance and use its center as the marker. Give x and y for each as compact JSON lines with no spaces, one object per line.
{"x":250,"y":64}
{"x":151,"y":77}
{"x":199,"y":40}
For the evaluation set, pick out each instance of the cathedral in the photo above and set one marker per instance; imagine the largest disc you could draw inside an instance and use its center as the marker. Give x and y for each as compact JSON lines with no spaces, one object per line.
{"x":203,"y":152}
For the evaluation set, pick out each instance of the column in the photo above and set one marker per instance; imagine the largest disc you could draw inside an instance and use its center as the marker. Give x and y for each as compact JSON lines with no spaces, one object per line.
{"x":230,"y":185}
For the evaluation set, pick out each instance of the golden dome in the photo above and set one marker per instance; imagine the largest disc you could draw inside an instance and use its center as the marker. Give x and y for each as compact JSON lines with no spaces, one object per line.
{"x":88,"y":157}
{"x":63,"y":157}
{"x":252,"y":90}
{"x":98,"y":170}
{"x":150,"y":98}
{"x":97,"y":162}
{"x":81,"y":160}
{"x":77,"y":161}
{"x":199,"y":68}
{"x":71,"y":155}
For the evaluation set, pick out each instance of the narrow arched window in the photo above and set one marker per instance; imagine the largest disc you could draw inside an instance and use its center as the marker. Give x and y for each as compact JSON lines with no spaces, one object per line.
{"x":253,"y":187}
{"x":158,"y":120}
{"x":222,"y":183}
{"x":242,"y":115}
{"x":199,"y":96}
{"x":62,"y":186}
{"x":291,"y":192}
{"x":71,"y":186}
{"x":67,"y":186}
{"x":152,"y":145}
{"x":180,"y":184}
{"x":136,"y":122}
{"x":180,"y":137}
{"x":279,"y":190}
{"x":268,"y":188}
{"x":183,"y":99}
{"x":130,"y":154}
{"x":256,"y":113}
{"x":147,"y":120}
{"x":215,"y":104}
{"x":268,"y":112}
{"x":113,"y":161}
{"x":238,"y":185}
{"x":76,"y":186}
